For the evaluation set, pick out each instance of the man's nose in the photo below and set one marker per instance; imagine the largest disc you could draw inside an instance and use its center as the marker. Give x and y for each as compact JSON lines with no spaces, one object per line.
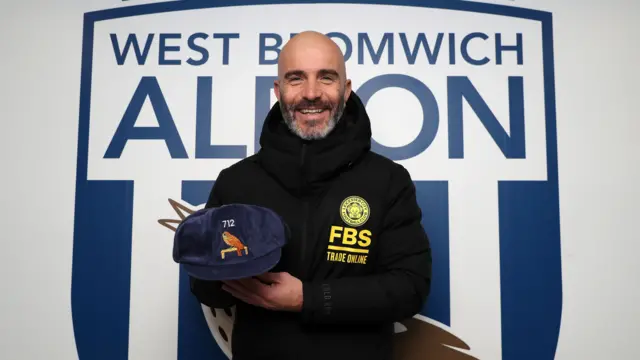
{"x":311,"y":91}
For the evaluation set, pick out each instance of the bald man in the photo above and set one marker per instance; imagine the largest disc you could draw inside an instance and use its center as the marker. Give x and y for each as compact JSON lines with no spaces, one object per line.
{"x":311,"y":112}
{"x":358,"y":259}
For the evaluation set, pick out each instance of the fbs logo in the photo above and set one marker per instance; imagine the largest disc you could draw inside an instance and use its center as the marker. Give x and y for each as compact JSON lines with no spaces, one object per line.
{"x":354,"y":211}
{"x":347,"y":244}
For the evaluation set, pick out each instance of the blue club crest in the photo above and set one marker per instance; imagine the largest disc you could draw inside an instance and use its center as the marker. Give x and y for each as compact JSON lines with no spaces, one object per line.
{"x":512,"y":268}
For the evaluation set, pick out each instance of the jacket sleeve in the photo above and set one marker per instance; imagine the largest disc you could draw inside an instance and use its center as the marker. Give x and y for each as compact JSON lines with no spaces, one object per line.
{"x":210,"y":293}
{"x":401,"y":283}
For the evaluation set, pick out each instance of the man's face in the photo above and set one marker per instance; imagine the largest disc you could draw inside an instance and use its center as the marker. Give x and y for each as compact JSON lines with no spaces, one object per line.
{"x":311,"y":92}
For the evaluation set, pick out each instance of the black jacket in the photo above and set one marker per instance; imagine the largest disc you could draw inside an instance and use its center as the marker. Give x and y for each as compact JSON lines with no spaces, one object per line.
{"x":351,"y":298}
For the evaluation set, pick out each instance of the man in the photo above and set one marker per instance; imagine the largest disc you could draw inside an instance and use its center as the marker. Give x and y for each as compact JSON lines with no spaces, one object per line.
{"x":358,"y":259}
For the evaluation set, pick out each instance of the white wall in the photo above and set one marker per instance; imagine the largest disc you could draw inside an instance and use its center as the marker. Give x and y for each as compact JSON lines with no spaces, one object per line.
{"x":596,"y":79}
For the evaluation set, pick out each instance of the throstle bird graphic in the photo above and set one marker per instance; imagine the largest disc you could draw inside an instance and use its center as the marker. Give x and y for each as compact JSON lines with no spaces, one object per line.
{"x":417,"y":338}
{"x":233,"y":241}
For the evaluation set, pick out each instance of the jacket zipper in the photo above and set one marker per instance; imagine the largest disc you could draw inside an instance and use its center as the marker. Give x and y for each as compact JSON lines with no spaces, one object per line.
{"x":303,"y":246}
{"x":305,"y":210}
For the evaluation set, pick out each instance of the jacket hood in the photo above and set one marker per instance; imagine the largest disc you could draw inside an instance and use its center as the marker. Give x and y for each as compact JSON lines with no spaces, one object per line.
{"x":302,"y":166}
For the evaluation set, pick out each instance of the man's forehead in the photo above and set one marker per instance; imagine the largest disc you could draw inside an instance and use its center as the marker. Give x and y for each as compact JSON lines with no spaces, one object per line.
{"x":311,"y":53}
{"x":311,"y":63}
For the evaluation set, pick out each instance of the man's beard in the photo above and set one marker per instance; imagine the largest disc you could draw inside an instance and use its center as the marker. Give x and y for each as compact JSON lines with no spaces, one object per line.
{"x":315,"y":129}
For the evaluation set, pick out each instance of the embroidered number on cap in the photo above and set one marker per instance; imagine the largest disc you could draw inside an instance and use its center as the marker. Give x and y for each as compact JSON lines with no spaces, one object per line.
{"x":228,"y":223}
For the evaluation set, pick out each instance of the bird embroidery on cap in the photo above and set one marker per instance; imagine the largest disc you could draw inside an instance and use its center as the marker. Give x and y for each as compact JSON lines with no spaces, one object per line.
{"x":234,"y":244}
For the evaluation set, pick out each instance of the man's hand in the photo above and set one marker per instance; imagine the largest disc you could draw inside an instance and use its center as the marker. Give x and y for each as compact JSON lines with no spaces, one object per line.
{"x":273,"y":291}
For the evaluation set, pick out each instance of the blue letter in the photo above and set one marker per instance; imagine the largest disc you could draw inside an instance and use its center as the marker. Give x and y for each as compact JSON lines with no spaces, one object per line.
{"x":513,"y":146}
{"x":421,"y":40}
{"x":225,"y":45}
{"x":166,"y":129}
{"x":204,"y":149}
{"x":430,"y":113}
{"x":164,"y":49}
{"x":452,"y":49}
{"x":363,"y":38}
{"x":464,"y":48}
{"x":500,"y":48}
{"x":131,"y":39}
{"x":264,"y":86}
{"x":264,"y":48}
{"x":192,"y":45}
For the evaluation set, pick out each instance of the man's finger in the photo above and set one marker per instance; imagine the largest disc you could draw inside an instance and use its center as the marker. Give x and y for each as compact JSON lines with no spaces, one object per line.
{"x":255,"y":286}
{"x":238,"y":286}
{"x":268,"y":277}
{"x":243,"y":295}
{"x":245,"y":285}
{"x":252,"y":287}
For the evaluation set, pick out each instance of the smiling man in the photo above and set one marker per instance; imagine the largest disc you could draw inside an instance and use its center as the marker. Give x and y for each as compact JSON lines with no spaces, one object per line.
{"x":358,"y":259}
{"x":312,"y":85}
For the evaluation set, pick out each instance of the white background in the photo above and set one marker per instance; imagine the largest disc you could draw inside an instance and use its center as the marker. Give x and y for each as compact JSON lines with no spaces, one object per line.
{"x":596,"y":57}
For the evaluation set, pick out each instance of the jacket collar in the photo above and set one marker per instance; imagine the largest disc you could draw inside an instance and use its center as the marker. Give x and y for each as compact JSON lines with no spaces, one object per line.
{"x":304,"y":167}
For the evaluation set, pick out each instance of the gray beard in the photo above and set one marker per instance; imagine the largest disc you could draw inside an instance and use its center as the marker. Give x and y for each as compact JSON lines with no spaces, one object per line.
{"x":315,"y":133}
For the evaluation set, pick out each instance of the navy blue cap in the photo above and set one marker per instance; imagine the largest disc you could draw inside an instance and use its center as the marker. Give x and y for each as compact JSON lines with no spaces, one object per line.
{"x":230,"y":242}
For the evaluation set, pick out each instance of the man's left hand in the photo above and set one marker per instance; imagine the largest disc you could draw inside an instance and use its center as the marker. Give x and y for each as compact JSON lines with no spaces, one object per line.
{"x":273,"y":291}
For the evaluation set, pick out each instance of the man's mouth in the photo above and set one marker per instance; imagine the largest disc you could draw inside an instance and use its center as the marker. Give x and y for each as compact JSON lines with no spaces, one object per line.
{"x":311,"y":111}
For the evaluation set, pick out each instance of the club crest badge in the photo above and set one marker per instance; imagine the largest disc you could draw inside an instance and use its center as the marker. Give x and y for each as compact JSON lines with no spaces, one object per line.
{"x":354,"y":211}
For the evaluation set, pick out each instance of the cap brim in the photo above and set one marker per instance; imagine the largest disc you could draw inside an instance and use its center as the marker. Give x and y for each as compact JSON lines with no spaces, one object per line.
{"x":235,"y":271}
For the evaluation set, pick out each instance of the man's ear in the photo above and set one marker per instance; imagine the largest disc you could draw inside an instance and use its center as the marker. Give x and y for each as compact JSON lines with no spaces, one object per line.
{"x":276,"y":89}
{"x":347,"y":89}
